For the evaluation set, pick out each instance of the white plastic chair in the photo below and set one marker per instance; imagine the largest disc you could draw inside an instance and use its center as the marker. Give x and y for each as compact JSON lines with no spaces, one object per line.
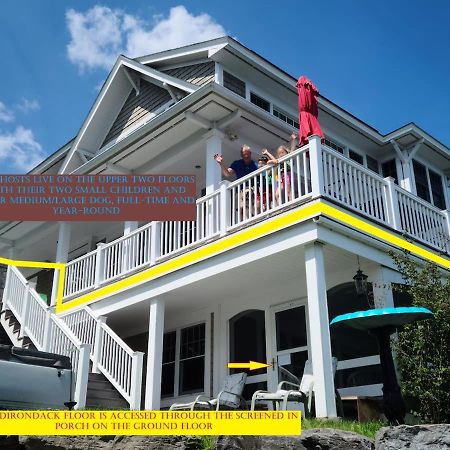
{"x":293,"y":390}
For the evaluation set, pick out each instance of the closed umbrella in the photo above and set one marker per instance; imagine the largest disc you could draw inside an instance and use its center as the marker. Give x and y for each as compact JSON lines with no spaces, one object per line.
{"x":308,"y":110}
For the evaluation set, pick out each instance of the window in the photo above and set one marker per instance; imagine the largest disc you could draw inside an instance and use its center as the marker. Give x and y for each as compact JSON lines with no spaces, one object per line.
{"x":372,"y":164}
{"x":168,"y":364}
{"x":437,"y":191}
{"x":356,"y":157}
{"x":189,"y":357}
{"x":285,"y":117}
{"x":334,"y":146}
{"x":429,"y":185}
{"x":420,"y":174}
{"x":389,"y":169}
{"x":259,"y":101}
{"x":234,"y":84}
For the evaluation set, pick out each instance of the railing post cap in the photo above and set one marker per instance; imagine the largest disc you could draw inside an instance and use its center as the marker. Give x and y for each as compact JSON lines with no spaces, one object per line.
{"x":314,"y":137}
{"x":85,"y":347}
{"x":224,"y":182}
{"x":390,"y":179}
{"x":100,"y":244}
{"x":102,"y":319}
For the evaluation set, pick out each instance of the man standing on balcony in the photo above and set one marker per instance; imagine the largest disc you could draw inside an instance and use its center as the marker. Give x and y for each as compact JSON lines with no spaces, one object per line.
{"x":240,"y":167}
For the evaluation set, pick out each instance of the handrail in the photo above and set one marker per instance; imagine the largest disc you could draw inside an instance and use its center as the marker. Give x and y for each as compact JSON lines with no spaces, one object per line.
{"x":418,"y":199}
{"x":313,"y":171}
{"x":110,"y":355}
{"x":45,"y":330}
{"x":118,"y":339}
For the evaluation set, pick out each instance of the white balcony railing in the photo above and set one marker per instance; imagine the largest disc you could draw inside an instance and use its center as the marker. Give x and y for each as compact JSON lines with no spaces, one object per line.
{"x":312,"y":171}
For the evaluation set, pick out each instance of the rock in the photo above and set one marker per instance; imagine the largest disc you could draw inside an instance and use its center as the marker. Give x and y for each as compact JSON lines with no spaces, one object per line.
{"x":237,"y":443}
{"x":108,"y":443}
{"x":416,"y":437}
{"x":9,"y":443}
{"x":315,"y":439}
{"x":330,"y":439}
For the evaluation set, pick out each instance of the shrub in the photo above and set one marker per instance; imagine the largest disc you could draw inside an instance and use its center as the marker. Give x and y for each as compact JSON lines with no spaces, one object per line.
{"x":423,"y":347}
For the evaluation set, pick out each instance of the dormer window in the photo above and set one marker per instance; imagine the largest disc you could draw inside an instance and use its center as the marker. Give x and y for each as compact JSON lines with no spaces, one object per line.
{"x":233,"y":84}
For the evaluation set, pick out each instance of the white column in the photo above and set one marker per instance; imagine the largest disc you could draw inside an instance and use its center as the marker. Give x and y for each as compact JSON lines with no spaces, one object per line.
{"x":11,"y":253}
{"x":392,"y":204}
{"x":129,"y":227}
{"x":62,"y":254}
{"x":382,"y":278}
{"x":319,"y":331}
{"x":154,"y":355}
{"x":315,"y":161}
{"x":407,"y":181}
{"x":213,"y":173}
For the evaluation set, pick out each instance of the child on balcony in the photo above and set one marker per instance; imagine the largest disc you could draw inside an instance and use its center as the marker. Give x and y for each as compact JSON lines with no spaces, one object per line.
{"x":263,"y":186}
{"x":282,"y":176}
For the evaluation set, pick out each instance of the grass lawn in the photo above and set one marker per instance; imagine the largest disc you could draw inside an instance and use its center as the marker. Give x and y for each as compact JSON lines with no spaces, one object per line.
{"x":368,"y":429}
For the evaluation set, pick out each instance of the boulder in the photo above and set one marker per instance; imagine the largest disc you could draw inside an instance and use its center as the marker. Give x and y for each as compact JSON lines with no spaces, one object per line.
{"x":314,"y":439}
{"x":108,"y":443}
{"x":9,"y":443}
{"x":416,"y":437}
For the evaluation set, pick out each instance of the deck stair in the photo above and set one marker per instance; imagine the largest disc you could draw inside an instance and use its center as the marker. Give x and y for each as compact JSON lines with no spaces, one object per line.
{"x":27,"y":321}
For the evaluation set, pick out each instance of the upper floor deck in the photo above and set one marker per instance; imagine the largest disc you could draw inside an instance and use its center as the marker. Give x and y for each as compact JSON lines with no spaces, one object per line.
{"x":310,"y":174}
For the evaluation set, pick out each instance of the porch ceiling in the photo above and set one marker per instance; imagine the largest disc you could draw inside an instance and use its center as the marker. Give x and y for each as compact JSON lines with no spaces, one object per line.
{"x":273,"y":280}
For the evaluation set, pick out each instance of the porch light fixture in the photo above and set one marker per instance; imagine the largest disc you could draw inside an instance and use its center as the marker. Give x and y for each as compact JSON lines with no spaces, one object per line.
{"x":360,"y":280}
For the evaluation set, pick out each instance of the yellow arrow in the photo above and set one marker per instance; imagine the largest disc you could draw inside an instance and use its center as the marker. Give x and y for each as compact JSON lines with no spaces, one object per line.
{"x":252,"y":365}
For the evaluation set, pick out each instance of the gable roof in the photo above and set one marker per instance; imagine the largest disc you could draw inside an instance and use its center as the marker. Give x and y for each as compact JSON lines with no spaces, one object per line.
{"x":123,"y":77}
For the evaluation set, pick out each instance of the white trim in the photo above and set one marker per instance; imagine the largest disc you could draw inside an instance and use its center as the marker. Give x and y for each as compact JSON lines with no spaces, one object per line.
{"x":184,"y":64}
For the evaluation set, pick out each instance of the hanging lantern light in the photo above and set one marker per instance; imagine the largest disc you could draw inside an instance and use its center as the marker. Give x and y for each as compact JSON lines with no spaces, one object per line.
{"x":360,"y":280}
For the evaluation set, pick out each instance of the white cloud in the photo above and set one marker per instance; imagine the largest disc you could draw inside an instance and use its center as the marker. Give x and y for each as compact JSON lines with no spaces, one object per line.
{"x":19,"y":150}
{"x":6,"y":115}
{"x":27,"y":105}
{"x":100,"y":34}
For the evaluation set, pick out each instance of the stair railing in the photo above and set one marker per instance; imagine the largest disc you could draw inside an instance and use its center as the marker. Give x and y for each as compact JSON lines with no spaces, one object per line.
{"x":110,"y":355}
{"x":45,"y":330}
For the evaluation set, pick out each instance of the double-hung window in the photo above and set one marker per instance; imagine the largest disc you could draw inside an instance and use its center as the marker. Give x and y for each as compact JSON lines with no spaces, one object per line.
{"x":183,"y":366}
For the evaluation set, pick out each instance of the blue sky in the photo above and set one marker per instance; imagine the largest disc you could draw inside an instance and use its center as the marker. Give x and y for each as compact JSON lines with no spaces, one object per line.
{"x":387,"y":62}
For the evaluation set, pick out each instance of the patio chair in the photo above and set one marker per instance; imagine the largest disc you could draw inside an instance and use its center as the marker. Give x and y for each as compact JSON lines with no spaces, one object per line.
{"x":230,"y":397}
{"x":292,"y":390}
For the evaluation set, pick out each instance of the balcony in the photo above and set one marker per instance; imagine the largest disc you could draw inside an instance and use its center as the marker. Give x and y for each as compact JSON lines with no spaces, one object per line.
{"x":312,"y":172}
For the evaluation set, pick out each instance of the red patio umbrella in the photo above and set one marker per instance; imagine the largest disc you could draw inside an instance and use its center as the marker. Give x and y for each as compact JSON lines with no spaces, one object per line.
{"x":308,"y":110}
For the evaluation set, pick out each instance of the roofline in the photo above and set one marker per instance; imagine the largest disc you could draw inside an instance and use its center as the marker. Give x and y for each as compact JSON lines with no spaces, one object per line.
{"x":184,"y":50}
{"x":172,"y":112}
{"x":52,"y":158}
{"x":289,"y":80}
{"x":122,"y":61}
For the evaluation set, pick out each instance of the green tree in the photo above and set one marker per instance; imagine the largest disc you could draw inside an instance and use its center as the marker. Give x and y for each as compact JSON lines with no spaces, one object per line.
{"x":423,"y":347}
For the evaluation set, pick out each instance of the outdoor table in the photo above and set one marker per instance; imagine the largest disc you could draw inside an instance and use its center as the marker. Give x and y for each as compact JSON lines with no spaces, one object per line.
{"x":382,"y":323}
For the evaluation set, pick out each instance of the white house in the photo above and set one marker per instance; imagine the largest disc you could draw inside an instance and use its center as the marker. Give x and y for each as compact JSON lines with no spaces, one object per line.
{"x":160,"y":308}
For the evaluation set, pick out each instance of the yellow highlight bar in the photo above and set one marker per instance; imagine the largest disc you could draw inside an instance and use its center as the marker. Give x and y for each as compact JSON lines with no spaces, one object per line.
{"x":60,"y":267}
{"x":232,"y":241}
{"x":160,"y":423}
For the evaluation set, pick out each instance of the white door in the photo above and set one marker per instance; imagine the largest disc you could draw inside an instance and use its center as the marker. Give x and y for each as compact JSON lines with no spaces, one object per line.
{"x":290,"y":342}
